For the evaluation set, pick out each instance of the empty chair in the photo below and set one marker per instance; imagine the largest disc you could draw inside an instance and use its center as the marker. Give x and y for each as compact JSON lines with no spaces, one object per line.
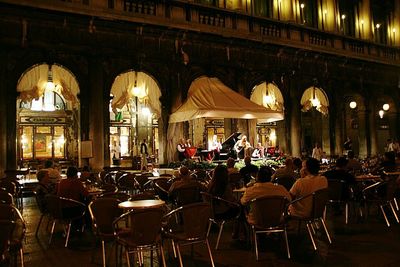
{"x":232,"y":212}
{"x":186,"y":195}
{"x":269,"y":217}
{"x":127,"y":183}
{"x":65,"y":210}
{"x":339,"y":195}
{"x":109,"y":188}
{"x":141,"y":236}
{"x":192,"y":227}
{"x":40,"y":202}
{"x":118,"y":195}
{"x":381,"y":194}
{"x":319,"y":199}
{"x":161,"y":187}
{"x":142,"y":181}
{"x":103,"y":212}
{"x":6,"y":198}
{"x":12,"y":214}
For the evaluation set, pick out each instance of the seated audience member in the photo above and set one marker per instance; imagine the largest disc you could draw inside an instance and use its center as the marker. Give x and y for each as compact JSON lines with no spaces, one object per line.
{"x":297,"y":163}
{"x":389,"y":162}
{"x":72,"y":187}
{"x":230,"y":164}
{"x":341,"y":173}
{"x":43,"y":187}
{"x":184,"y":180}
{"x":353,"y":165}
{"x":53,"y":173}
{"x":263,"y":187}
{"x":85,"y":174}
{"x":258,"y":152}
{"x":248,"y":170}
{"x":305,"y":186}
{"x":287,"y":171}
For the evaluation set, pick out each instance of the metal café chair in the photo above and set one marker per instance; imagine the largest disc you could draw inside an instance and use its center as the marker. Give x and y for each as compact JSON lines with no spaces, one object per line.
{"x":269,"y":216}
{"x":339,"y":194}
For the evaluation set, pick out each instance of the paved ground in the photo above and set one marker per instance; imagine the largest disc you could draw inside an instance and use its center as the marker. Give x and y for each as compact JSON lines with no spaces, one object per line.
{"x":368,"y":243}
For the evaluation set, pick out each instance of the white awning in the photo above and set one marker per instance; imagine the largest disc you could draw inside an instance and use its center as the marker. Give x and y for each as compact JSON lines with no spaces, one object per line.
{"x":210,"y":98}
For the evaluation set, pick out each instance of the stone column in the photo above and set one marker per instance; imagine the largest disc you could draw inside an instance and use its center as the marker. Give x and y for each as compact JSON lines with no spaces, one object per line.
{"x":11,"y":124}
{"x":98,"y":113}
{"x":295,"y":128}
{"x":372,"y":133}
{"x":3,"y":118}
{"x":392,"y":118}
{"x":338,"y":132}
{"x":362,"y":134}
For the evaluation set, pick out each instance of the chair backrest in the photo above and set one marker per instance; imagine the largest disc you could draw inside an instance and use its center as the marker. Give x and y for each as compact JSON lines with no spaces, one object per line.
{"x":5,"y":197}
{"x":285,"y":181}
{"x":268,"y":211}
{"x":118,"y":195}
{"x":58,"y":207}
{"x":187,"y":195}
{"x":126,"y":181}
{"x":235,"y":180}
{"x":103,"y":212}
{"x":336,"y":189}
{"x":40,"y":202}
{"x":161,"y":187}
{"x":108,"y":178}
{"x":193,"y":220}
{"x":11,"y":213}
{"x":147,"y":233}
{"x":319,"y":200}
{"x":109,"y":188}
{"x":218,"y":203}
{"x":9,"y":186}
{"x":6,"y":230}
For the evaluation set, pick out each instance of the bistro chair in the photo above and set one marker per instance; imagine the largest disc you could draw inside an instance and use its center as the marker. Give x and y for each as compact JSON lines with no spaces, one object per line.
{"x":6,"y":198}
{"x":127,"y":183}
{"x":186,"y":195}
{"x":6,"y":230}
{"x":65,"y":210}
{"x":118,"y":195}
{"x":161,"y":187}
{"x":109,"y":188}
{"x":319,"y":199}
{"x":141,"y":236}
{"x":103,"y":212}
{"x":382,"y":194}
{"x":142,"y":181}
{"x":269,"y":216}
{"x":339,"y":194}
{"x":13,"y":215}
{"x":231,"y":212}
{"x":41,"y":203}
{"x":191,"y":228}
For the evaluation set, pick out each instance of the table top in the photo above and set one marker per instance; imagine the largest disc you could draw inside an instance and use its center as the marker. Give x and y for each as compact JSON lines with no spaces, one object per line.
{"x":141,"y":204}
{"x":367,"y":177}
{"x":392,"y":173}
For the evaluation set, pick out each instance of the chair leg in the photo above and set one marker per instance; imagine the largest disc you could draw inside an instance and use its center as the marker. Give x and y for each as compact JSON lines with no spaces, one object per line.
{"x":68,"y":233}
{"x":162,"y":255}
{"x":384,"y":215}
{"x":221,"y":227}
{"x":326,"y":231}
{"x":255,"y":243}
{"x":209,"y":227}
{"x":103,"y":251}
{"x":128,"y":263}
{"x":52,"y":231}
{"x":312,"y":228}
{"x":179,"y":255}
{"x":38,"y":226}
{"x":21,"y":254}
{"x":311,"y":235}
{"x":173,"y":248}
{"x":209,"y":252}
{"x":346,"y":212}
{"x":287,"y":242}
{"x":394,"y":211}
{"x":395,"y":202}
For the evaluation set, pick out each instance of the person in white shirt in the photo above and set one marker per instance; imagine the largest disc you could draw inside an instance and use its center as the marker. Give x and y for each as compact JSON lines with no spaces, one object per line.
{"x":317,"y":152}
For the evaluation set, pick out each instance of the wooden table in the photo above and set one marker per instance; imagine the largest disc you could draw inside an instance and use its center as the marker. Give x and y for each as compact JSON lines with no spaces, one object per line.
{"x":367,"y":177}
{"x":391,"y":173}
{"x":141,"y":204}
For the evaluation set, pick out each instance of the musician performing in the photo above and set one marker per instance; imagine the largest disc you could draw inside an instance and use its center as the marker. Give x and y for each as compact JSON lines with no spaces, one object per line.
{"x":242,"y":147}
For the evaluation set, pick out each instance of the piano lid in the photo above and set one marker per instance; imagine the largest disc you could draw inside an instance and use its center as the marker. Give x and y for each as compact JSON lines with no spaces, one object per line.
{"x":230,"y":142}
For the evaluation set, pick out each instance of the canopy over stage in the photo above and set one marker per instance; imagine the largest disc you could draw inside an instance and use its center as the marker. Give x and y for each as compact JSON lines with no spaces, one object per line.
{"x":210,"y":98}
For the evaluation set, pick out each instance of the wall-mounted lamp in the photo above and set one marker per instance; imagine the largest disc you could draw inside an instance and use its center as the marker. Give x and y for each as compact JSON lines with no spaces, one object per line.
{"x":385,"y":107}
{"x":381,"y":112}
{"x":353,"y":104}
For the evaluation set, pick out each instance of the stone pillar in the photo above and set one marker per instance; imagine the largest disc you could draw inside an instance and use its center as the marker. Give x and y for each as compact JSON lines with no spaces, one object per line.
{"x":98,"y":112}
{"x":326,"y":134}
{"x":3,"y":117}
{"x":338,"y":132}
{"x":281,"y":136}
{"x":362,"y":134}
{"x":372,"y":133}
{"x":392,"y":118}
{"x":295,"y":128}
{"x":11,"y":124}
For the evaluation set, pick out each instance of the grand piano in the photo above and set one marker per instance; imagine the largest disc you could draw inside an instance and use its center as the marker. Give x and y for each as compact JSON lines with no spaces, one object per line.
{"x":227,"y":150}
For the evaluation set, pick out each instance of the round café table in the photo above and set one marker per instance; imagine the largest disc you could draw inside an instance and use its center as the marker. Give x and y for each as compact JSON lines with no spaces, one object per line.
{"x":141,"y":204}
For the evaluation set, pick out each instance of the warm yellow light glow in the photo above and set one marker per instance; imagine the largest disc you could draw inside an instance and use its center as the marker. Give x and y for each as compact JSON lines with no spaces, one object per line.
{"x":353,"y":104}
{"x":315,"y":102}
{"x":272,"y":136}
{"x":302,"y":5}
{"x":268,"y":99}
{"x":362,"y":22}
{"x":378,"y":25}
{"x":385,"y":107}
{"x":343,"y":16}
{"x":381,"y":112}
{"x":325,"y":11}
{"x":394,"y":30}
{"x":50,"y":86}
{"x":146,"y":111}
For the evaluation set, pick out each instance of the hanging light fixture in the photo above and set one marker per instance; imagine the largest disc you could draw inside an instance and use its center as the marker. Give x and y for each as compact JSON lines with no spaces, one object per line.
{"x":268,"y":100}
{"x":381,"y":112}
{"x":50,"y":84}
{"x":353,"y":104}
{"x":314,"y":100}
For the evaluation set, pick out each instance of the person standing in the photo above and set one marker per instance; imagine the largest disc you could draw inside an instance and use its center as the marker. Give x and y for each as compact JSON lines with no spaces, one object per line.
{"x":241,"y":146}
{"x":215,"y":147}
{"x":181,"y":149}
{"x":317,"y":152}
{"x":348,"y":145}
{"x":144,"y":154}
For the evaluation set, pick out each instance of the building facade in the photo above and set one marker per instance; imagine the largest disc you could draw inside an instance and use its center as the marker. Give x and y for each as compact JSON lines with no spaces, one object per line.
{"x":109,"y":73}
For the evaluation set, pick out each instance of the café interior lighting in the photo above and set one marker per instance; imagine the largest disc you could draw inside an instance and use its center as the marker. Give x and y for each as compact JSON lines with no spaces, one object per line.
{"x":385,"y":107}
{"x":353,"y":104}
{"x":50,"y":84}
{"x":314,"y":100}
{"x":381,"y":112}
{"x":378,"y":25}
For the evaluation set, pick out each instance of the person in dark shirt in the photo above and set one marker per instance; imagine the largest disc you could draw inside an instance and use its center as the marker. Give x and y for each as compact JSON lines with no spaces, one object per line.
{"x":248,"y":170}
{"x":341,"y":173}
